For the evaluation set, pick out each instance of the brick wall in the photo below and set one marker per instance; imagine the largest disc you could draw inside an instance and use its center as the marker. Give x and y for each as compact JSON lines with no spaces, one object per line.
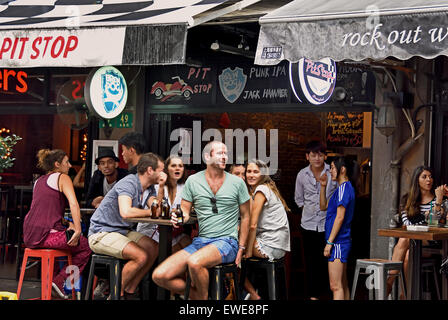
{"x":301,"y":128}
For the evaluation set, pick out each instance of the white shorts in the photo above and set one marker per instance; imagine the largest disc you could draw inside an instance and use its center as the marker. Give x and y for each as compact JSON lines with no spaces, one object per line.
{"x":270,"y":252}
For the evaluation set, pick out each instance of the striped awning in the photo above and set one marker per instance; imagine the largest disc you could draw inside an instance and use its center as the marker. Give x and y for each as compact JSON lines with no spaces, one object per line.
{"x":353,"y":30}
{"x":84,"y":33}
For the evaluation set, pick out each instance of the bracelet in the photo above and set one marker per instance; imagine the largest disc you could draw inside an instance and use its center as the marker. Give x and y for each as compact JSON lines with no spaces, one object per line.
{"x":330,"y":243}
{"x":241,"y":247}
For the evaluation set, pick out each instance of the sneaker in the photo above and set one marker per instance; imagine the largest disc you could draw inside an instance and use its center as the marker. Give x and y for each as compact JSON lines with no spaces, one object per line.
{"x":57,"y":292}
{"x":101,"y":290}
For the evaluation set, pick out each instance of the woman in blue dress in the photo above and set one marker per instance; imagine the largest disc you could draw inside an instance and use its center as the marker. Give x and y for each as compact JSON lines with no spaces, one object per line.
{"x":340,"y":209}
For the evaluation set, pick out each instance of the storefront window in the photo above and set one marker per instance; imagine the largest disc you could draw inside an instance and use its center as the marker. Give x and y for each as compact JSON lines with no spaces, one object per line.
{"x":21,"y":86}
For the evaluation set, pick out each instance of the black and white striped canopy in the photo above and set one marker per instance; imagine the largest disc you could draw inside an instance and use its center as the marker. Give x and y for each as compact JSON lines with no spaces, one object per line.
{"x":21,"y":14}
{"x":35,"y":33}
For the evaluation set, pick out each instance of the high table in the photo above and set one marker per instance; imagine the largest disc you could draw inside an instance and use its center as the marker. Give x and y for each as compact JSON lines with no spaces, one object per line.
{"x":415,"y":253}
{"x":165,"y":244}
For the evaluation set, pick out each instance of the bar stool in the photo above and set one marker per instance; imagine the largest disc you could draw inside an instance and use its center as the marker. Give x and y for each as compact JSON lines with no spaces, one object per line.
{"x":4,"y":223}
{"x":47,"y":257}
{"x":115,"y":266}
{"x":216,"y":281}
{"x":428,"y":265}
{"x":275,"y":273}
{"x":382,"y":267}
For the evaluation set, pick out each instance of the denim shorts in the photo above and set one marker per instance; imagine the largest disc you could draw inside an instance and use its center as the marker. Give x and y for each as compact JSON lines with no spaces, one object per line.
{"x":227,"y":246}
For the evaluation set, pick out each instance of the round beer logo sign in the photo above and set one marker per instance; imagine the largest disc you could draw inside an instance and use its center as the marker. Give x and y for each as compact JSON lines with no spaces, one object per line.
{"x":313,"y":81}
{"x":106,"y":92}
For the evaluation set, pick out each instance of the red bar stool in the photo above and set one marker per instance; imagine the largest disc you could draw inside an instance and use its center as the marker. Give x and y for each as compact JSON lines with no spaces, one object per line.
{"x":47,"y":257}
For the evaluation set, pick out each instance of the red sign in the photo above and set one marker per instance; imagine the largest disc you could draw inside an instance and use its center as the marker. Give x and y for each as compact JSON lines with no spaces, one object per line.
{"x":11,"y":80}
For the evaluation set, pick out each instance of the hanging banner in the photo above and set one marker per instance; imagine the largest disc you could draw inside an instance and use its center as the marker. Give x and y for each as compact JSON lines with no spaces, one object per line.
{"x":62,"y":47}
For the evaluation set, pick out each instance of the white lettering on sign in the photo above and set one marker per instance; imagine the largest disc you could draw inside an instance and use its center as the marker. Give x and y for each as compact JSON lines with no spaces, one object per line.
{"x":61,"y":47}
{"x":266,"y":72}
{"x":379,"y":39}
{"x":440,"y":36}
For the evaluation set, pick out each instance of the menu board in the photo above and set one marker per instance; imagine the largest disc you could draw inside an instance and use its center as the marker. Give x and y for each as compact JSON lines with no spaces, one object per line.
{"x":357,"y":80}
{"x":345,"y":129}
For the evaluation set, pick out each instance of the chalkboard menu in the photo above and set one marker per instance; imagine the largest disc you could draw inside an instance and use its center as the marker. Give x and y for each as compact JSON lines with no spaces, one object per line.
{"x":345,"y":129}
{"x":357,"y":80}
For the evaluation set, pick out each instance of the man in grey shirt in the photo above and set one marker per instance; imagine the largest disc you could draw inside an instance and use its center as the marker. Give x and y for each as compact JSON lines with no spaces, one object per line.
{"x":111,"y":234}
{"x":306,"y":196}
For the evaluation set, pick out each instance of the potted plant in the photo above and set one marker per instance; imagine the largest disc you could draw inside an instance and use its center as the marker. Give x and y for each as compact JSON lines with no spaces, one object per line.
{"x":6,"y":145}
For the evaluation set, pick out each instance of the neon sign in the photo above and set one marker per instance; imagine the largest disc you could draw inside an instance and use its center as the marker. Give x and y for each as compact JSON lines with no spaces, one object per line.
{"x":11,"y":80}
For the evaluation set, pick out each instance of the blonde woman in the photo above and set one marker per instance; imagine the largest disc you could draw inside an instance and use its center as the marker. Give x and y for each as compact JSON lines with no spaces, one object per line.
{"x":269,"y":228}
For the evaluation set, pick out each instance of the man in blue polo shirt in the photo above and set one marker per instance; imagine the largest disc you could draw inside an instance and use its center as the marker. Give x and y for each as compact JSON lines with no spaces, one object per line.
{"x":218,"y":198}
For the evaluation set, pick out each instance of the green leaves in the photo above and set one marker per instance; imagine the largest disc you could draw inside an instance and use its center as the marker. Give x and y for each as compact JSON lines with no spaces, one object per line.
{"x":6,"y":148}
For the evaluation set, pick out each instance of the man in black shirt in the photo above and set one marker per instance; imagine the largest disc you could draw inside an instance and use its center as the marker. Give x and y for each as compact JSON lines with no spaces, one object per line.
{"x":133,"y":146}
{"x":104,"y":178}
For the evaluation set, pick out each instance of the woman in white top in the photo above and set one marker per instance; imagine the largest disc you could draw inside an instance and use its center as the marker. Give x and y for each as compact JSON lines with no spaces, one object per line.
{"x":171,"y":189}
{"x":269,"y":228}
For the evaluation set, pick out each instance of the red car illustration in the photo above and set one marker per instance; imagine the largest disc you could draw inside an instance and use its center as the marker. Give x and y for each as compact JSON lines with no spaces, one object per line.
{"x":164,"y":91}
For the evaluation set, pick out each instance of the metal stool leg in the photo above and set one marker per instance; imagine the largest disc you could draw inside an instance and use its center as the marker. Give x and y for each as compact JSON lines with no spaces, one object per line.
{"x":355,"y":282}
{"x":272,"y":285}
{"x":402,"y":282}
{"x":22,"y":275}
{"x":236,"y":285}
{"x":187,"y":285}
{"x":89,"y":281}
{"x":115,"y":280}
{"x":382,"y":288}
{"x":436,"y":281}
{"x":216,"y":284}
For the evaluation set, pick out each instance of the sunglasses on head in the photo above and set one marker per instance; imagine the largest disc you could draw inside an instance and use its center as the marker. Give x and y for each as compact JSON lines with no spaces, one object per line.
{"x":214,"y":207}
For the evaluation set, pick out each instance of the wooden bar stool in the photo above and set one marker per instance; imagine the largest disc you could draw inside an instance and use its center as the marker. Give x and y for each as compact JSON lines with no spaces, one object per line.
{"x":47,"y":257}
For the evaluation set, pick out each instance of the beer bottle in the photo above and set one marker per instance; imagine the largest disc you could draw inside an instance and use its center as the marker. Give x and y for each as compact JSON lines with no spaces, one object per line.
{"x":154,"y":206}
{"x":179,"y":215}
{"x":165,"y":209}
